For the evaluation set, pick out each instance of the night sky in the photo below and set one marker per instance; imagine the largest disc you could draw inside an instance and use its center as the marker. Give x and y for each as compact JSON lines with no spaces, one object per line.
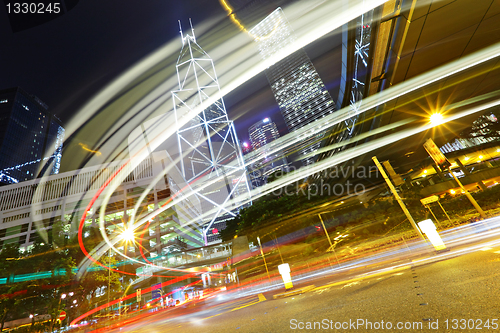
{"x":69,"y":59}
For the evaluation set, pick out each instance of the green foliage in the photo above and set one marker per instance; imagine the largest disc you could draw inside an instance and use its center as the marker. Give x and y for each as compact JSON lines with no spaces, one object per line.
{"x":251,"y":219}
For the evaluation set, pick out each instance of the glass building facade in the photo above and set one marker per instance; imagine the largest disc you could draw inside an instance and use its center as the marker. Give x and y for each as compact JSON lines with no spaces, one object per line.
{"x":299,"y":91}
{"x":31,"y":138}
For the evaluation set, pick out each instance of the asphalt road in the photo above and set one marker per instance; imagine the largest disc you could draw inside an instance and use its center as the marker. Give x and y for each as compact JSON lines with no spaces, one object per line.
{"x":454,"y":295}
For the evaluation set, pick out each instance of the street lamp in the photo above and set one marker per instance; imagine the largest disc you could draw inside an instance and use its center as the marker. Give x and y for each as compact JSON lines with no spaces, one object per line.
{"x":128,"y":234}
{"x":436,"y":119}
{"x":263,"y":257}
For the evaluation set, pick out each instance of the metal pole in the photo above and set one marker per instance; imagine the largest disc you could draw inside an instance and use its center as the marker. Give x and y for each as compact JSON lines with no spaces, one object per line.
{"x":445,"y":213}
{"x":469,"y":196}
{"x":278,"y":247}
{"x":430,"y":210}
{"x":398,"y":198}
{"x":326,"y":232}
{"x":404,"y":241}
{"x":265,"y":264}
{"x":109,"y":276}
{"x":329,"y":241}
{"x":237,"y":277}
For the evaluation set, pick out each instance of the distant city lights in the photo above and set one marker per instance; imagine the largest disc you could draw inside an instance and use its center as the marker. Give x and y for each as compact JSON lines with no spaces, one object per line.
{"x":266,"y":120}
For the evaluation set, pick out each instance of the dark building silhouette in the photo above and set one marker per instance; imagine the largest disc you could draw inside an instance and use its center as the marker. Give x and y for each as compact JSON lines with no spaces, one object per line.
{"x":31,"y":138}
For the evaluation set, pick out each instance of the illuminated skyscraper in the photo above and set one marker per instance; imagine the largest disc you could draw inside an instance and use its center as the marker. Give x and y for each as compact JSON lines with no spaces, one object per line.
{"x":212,"y":162}
{"x":31,"y":138}
{"x":297,"y":87}
{"x":262,"y":133}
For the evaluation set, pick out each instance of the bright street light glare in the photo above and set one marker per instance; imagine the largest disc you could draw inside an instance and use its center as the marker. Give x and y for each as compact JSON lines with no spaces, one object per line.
{"x":128,"y":234}
{"x":436,"y":119}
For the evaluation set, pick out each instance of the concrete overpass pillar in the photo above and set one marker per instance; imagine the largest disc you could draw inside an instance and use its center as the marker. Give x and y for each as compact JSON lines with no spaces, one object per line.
{"x":439,"y":172}
{"x":467,"y":173}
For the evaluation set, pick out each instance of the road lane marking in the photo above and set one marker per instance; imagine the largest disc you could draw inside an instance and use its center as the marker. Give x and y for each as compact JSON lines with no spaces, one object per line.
{"x":369,"y":275}
{"x":261,"y":298}
{"x":350,"y":284}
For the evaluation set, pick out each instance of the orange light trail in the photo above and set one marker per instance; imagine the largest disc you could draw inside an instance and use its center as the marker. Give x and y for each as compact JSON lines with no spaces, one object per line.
{"x":85,"y":147}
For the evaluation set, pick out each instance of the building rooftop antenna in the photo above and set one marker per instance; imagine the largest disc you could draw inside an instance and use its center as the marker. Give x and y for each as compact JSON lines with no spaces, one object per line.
{"x":180,"y":30}
{"x":192,"y":30}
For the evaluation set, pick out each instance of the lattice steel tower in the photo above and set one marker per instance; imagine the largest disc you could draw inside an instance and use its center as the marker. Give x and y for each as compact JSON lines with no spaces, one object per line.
{"x":208,"y":143}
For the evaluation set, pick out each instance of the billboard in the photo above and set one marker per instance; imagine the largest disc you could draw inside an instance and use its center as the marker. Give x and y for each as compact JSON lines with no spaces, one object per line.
{"x":436,"y":155}
{"x":156,"y":291}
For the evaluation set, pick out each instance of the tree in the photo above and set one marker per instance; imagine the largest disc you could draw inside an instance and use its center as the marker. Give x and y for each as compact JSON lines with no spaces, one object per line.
{"x":9,"y":264}
{"x":98,"y":277}
{"x":8,"y":298}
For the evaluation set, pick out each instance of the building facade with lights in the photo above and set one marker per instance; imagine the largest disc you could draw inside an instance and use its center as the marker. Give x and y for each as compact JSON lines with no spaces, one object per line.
{"x":50,"y":209}
{"x":261,"y":134}
{"x":299,"y":91}
{"x":31,"y":138}
{"x":480,"y":133}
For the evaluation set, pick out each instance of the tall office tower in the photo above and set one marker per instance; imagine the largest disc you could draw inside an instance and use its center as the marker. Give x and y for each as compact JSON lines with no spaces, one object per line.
{"x":261,"y":133}
{"x":297,"y":87}
{"x":211,"y":159}
{"x":31,"y":138}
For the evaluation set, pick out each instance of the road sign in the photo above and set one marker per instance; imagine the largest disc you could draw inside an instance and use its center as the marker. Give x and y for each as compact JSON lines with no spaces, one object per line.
{"x":428,"y":200}
{"x":394,"y":176}
{"x":436,"y":155}
{"x":138,"y":294}
{"x":62,"y":315}
{"x":156,"y":291}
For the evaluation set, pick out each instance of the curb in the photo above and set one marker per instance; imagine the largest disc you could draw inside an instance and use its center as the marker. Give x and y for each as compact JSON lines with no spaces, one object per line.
{"x":294,"y":292}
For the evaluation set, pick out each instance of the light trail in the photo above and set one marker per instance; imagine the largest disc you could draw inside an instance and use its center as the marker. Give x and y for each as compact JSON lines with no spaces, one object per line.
{"x":304,"y":172}
{"x":298,"y":138}
{"x":339,"y":19}
{"x":393,"y":92}
{"x":339,"y":158}
{"x":320,"y":30}
{"x":461,"y":240}
{"x":235,"y":20}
